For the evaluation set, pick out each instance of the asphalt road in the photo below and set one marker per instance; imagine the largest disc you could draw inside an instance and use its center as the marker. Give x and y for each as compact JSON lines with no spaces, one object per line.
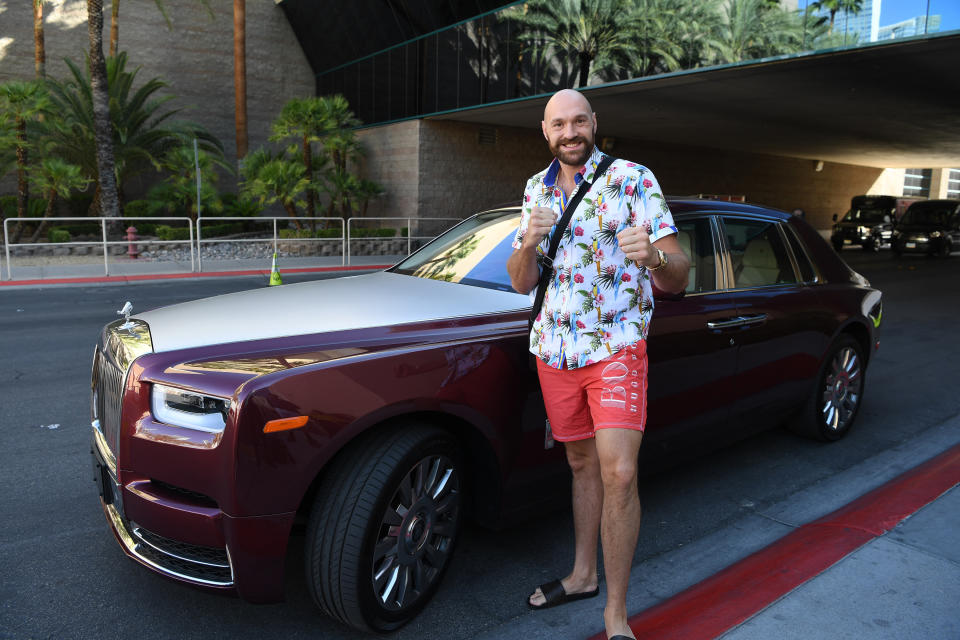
{"x":62,"y":575}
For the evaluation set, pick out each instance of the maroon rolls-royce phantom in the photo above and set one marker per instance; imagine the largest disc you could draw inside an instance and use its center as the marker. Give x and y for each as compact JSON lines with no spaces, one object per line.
{"x":383,"y":409}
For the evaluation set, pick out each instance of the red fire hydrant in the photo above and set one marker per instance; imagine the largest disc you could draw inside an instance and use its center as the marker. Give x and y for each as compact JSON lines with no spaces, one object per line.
{"x":132,"y":250}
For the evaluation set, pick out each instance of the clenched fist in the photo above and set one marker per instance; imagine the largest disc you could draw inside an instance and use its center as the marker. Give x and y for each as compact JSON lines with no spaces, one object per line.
{"x":635,"y":243}
{"x":541,"y":221}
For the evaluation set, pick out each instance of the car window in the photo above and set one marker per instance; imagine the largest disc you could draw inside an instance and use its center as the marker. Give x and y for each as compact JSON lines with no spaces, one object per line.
{"x":807,"y":272}
{"x":757,"y":253}
{"x":474,"y":252}
{"x":696,"y":239}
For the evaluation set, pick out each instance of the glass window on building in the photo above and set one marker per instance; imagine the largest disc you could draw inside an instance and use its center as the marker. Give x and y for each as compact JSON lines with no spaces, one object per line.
{"x":916,"y":182}
{"x":953,"y":183}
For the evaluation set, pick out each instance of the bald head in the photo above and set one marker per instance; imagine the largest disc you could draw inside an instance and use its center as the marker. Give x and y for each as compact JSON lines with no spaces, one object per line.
{"x":566,"y":99}
{"x":570,"y":127}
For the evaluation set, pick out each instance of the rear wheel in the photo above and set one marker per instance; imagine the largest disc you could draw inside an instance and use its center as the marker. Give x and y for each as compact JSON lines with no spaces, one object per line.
{"x":383,"y":527}
{"x":833,"y":404}
{"x":946,"y":249}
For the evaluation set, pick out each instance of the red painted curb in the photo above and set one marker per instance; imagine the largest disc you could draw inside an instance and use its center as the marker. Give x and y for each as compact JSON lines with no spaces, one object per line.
{"x":177,"y":276}
{"x":733,"y":595}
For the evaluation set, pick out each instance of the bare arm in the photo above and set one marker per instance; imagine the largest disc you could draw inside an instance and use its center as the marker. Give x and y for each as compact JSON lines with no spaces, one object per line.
{"x":522,"y":263}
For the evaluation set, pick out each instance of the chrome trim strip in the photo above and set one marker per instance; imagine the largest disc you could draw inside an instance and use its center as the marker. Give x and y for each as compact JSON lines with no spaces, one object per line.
{"x":103,"y":449}
{"x":136,"y":532}
{"x":131,"y":546}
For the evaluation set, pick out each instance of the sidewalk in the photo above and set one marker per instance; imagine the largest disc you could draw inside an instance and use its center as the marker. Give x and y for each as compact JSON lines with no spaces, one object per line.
{"x":126,"y":270}
{"x":868,"y":554}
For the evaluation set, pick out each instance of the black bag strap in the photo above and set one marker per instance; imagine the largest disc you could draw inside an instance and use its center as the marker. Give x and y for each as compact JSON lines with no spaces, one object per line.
{"x":546,"y":260}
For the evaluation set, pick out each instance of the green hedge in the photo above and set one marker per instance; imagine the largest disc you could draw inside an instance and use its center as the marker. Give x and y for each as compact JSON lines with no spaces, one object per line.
{"x":166,"y":232}
{"x":58,"y":234}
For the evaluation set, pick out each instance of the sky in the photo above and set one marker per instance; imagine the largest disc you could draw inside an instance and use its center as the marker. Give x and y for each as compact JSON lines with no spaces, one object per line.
{"x":893,"y":11}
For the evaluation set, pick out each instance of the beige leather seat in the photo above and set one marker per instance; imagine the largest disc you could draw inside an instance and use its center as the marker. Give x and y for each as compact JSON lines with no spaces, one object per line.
{"x":759,"y":266}
{"x":685,"y":243}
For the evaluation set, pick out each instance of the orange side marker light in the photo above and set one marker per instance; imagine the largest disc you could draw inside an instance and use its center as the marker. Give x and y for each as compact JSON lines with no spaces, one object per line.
{"x":285,"y":424}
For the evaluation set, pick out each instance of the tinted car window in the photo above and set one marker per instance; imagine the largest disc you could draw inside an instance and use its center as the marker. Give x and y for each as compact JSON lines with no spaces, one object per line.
{"x":929,"y":213}
{"x":807,"y":272}
{"x":696,"y":240}
{"x":474,"y":252}
{"x":757,"y":253}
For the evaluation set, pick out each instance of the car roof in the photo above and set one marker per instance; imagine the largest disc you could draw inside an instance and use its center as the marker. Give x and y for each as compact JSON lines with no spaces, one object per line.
{"x":679,"y":204}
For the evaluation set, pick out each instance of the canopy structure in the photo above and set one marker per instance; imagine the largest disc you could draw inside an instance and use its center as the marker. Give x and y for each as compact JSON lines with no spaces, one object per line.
{"x":886,"y":105}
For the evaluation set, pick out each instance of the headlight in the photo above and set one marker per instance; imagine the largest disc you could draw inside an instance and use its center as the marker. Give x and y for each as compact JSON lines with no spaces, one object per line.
{"x":935,"y":234}
{"x":896,"y":233}
{"x":182,"y":408}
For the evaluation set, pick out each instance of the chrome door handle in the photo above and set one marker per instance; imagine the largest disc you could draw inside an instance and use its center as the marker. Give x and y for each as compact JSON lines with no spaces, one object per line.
{"x":726,"y":324}
{"x":749,"y":321}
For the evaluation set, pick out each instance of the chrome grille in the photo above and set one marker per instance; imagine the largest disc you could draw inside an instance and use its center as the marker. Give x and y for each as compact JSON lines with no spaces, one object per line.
{"x":207,"y":565}
{"x":107,"y":398}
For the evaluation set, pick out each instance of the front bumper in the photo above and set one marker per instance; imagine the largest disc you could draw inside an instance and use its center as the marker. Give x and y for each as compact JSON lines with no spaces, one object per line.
{"x":186,"y":538}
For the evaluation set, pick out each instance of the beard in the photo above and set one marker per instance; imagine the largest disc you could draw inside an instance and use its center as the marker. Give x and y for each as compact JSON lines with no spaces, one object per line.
{"x":573,"y":158}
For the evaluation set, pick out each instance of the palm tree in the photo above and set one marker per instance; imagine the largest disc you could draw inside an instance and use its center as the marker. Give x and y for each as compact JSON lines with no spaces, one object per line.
{"x":271,"y":178}
{"x":143,"y":131}
{"x":100,"y":110}
{"x":593,"y":34}
{"x":177,"y":192}
{"x":852,"y":7}
{"x":240,"y":74}
{"x":305,"y":120}
{"x":754,"y":29}
{"x":21,"y":103}
{"x":39,"y":51}
{"x":53,"y":178}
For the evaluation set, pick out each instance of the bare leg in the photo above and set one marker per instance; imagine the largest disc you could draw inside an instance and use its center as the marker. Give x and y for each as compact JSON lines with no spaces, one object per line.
{"x":617,"y":450}
{"x":587,"y":502}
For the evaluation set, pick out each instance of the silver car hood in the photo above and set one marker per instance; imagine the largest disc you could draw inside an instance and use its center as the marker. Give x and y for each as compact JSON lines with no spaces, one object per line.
{"x":353,"y":302}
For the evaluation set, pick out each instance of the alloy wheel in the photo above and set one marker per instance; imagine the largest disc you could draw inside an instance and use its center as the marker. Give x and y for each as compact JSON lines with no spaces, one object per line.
{"x":842,"y":389}
{"x":416,"y":532}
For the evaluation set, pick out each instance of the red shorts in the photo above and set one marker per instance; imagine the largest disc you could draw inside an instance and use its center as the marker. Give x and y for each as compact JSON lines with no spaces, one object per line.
{"x":611,"y":393}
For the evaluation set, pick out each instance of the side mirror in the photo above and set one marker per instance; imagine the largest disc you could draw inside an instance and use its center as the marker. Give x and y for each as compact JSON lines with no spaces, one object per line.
{"x":834,"y":217}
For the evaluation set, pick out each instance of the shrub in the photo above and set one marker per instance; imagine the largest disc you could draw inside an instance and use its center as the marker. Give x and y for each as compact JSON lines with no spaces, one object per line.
{"x":58,"y":234}
{"x":166,"y":232}
{"x":78,"y":204}
{"x":236,"y":206}
{"x":306,"y":233}
{"x":138,"y":209}
{"x":225,"y":229}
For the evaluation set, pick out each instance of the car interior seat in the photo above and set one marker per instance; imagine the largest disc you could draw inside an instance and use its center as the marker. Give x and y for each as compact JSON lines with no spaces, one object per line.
{"x":759,"y":266}
{"x":687,"y":245}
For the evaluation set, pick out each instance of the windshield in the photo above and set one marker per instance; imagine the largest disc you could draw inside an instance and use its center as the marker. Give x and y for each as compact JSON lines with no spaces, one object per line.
{"x":872,"y":213}
{"x":474,"y":252}
{"x":929,"y":214}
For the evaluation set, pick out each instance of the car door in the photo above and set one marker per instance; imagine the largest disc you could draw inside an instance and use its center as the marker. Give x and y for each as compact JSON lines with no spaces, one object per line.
{"x":783,"y":332}
{"x":691,"y":350}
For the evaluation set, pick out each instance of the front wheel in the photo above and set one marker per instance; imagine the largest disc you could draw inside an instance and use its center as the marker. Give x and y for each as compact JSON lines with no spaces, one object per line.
{"x":383,"y":527}
{"x":835,"y":400}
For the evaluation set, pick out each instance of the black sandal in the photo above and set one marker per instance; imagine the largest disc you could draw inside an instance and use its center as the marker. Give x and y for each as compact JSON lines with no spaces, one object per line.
{"x":554,"y":595}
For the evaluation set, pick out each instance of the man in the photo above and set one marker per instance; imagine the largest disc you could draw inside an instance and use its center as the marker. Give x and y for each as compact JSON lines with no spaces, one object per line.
{"x":589,"y":337}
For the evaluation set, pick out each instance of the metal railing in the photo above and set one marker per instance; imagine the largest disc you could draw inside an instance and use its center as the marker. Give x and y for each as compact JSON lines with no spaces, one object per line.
{"x":104,"y":242}
{"x":349,"y":228}
{"x":410,"y":237}
{"x":275,"y":239}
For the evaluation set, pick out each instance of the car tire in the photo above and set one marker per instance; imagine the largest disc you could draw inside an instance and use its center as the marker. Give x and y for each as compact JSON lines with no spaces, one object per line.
{"x":383,"y":527}
{"x":837,"y":246}
{"x":872,"y":245}
{"x":946,"y":249}
{"x":834,"y":402}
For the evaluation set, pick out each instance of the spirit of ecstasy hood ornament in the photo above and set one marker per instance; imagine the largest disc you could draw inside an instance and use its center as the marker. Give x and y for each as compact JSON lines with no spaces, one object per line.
{"x":125,"y":312}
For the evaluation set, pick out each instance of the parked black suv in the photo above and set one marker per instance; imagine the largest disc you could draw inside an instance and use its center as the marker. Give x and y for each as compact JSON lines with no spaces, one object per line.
{"x":869,"y":222}
{"x":931,"y":227}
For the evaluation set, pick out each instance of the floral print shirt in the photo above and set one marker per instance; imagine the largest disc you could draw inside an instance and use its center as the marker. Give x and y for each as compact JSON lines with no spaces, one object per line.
{"x":598,"y":301}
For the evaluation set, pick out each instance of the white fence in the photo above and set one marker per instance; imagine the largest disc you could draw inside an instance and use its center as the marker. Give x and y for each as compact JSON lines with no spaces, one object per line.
{"x":411,"y":230}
